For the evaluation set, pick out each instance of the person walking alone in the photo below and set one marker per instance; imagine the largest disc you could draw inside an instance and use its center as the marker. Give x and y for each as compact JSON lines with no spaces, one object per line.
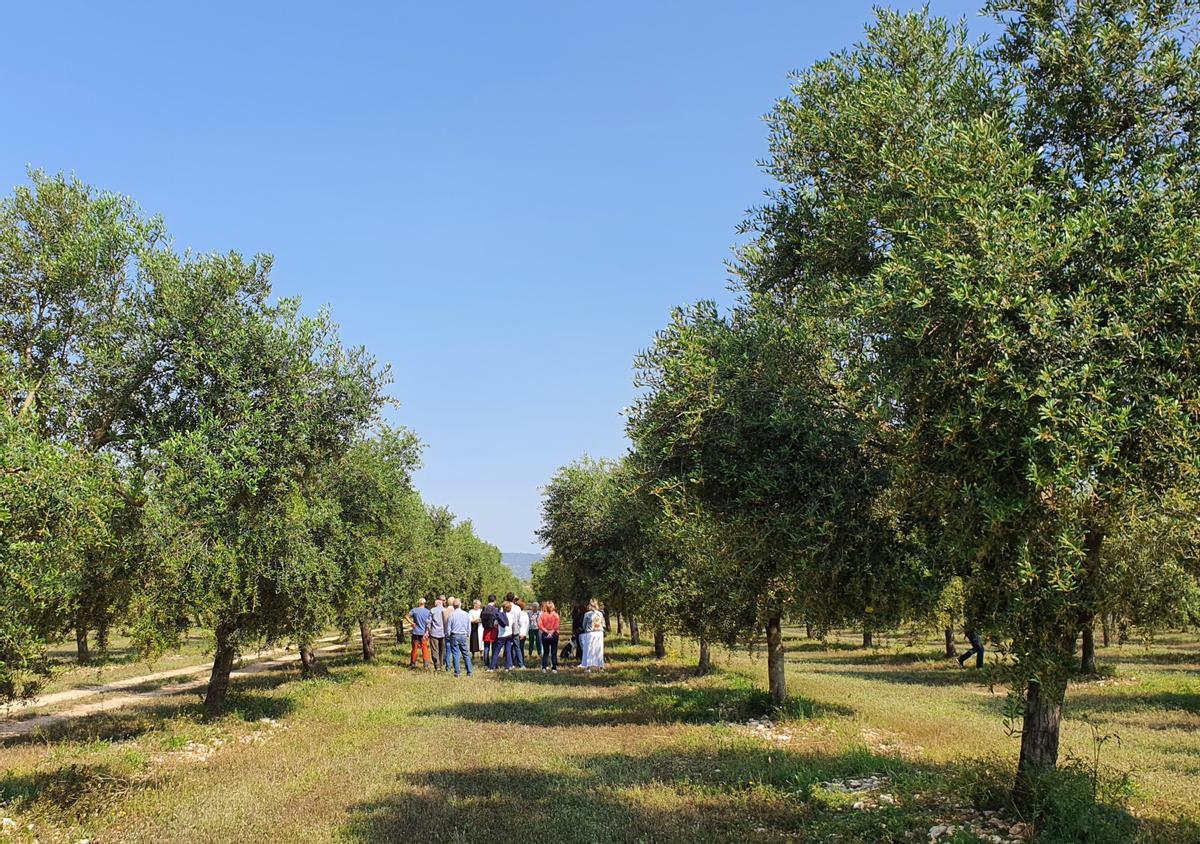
{"x":593,"y":637}
{"x":420,"y":633}
{"x":548,"y":635}
{"x":976,"y":648}
{"x":437,"y":633}
{"x":458,"y":628}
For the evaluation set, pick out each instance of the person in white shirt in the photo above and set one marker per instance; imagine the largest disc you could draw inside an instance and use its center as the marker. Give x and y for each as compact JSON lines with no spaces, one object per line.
{"x":520,"y":633}
{"x":504,"y":639}
{"x":592,"y":640}
{"x":476,"y":627}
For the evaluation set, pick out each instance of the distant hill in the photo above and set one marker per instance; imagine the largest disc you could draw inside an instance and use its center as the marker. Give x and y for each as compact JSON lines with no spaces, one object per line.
{"x":521,"y":564}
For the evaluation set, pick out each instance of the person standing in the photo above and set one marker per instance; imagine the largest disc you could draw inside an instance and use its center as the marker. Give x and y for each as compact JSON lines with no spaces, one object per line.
{"x":548,"y":635}
{"x":419,"y":616}
{"x":578,"y":610}
{"x":535,"y":637}
{"x":520,"y":633}
{"x":476,"y":628}
{"x":458,"y":628}
{"x":504,"y":623}
{"x":593,"y":637}
{"x":489,"y":621}
{"x":437,"y":633}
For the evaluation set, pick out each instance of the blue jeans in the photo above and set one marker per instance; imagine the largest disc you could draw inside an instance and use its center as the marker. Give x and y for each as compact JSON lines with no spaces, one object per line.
{"x":502,"y":646}
{"x":549,"y":650}
{"x":458,"y":648}
{"x":976,"y":648}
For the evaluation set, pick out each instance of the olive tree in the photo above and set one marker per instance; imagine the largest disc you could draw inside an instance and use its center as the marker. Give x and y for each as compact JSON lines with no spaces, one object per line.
{"x":1004,"y":240}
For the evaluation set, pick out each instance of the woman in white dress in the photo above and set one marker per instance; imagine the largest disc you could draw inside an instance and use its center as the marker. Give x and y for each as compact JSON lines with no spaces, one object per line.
{"x":592,"y":640}
{"x":476,"y":627}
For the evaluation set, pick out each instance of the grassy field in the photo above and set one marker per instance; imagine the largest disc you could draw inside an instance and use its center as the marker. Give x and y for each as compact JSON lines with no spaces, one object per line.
{"x":642,"y":752}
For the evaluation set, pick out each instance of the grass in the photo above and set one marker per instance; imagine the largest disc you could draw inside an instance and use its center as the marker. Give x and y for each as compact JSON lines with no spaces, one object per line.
{"x":643,"y":752}
{"x":119,"y":662}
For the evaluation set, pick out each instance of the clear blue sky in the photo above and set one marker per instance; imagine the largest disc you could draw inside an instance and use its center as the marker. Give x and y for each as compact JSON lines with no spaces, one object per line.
{"x":502,"y":200}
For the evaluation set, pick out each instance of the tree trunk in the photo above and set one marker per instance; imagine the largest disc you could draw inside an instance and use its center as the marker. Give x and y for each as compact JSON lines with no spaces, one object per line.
{"x":1106,"y":628}
{"x":309,"y":666}
{"x":635,"y":637}
{"x":618,"y":624}
{"x":868,"y":639}
{"x":81,"y":645}
{"x":1087,"y":665}
{"x":950,"y":649}
{"x":808,"y":630}
{"x":218,"y":681}
{"x":607,"y":622}
{"x":776,"y":684}
{"x":368,"y":639}
{"x":660,"y":643}
{"x":102,"y":634}
{"x":1039,"y":738}
{"x":399,"y":625}
{"x":704,"y":664}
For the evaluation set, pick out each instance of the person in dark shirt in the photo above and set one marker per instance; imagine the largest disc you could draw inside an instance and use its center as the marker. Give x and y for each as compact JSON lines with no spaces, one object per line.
{"x":577,"y":612}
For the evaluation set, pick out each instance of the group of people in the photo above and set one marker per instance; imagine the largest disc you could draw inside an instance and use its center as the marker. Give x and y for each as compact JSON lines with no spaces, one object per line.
{"x":448,"y":637}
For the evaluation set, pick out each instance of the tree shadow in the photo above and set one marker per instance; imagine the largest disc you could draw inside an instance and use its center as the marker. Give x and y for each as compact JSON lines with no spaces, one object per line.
{"x":667,"y":796}
{"x":1095,"y":703}
{"x":665,"y":703}
{"x":250,"y":699}
{"x":933,"y":677}
{"x":682,"y":794}
{"x":78,"y":789}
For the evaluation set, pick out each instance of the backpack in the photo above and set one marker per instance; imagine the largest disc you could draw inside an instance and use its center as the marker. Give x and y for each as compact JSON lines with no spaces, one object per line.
{"x":488,"y":618}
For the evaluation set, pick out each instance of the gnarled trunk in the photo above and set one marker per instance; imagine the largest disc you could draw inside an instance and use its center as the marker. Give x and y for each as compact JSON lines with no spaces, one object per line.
{"x":776,"y":684}
{"x":660,"y":643}
{"x":704,"y":664}
{"x":635,"y":637}
{"x":1039,"y":737}
{"x":618,"y":624}
{"x":218,"y":680}
{"x":1087,"y":663}
{"x":950,"y":649}
{"x":868,"y":639}
{"x":102,"y":634}
{"x":309,"y":666}
{"x":81,"y":644}
{"x":399,"y":625}
{"x":808,"y":630}
{"x":368,"y":639}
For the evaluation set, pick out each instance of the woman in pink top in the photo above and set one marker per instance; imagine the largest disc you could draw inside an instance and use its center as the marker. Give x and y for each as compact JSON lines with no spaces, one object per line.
{"x":548,"y":629}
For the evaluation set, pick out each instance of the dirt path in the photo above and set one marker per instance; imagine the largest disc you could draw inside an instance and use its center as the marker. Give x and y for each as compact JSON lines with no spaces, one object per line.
{"x":265,"y":661}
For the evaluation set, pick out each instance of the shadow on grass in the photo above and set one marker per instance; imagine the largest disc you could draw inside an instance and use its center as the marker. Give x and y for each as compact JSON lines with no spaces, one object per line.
{"x":665,"y":703}
{"x":932,"y":676}
{"x":1085,"y":702}
{"x":723,"y":795}
{"x":250,"y":698}
{"x":743,"y":794}
{"x":78,"y":789}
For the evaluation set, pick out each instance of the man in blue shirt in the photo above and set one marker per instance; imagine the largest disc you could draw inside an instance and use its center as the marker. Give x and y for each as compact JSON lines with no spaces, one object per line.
{"x":458,"y":627}
{"x":420,"y":633}
{"x":437,"y":634}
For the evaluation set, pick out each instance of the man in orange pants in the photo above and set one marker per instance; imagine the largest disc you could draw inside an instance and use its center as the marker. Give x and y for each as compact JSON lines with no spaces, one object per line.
{"x":420,"y":633}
